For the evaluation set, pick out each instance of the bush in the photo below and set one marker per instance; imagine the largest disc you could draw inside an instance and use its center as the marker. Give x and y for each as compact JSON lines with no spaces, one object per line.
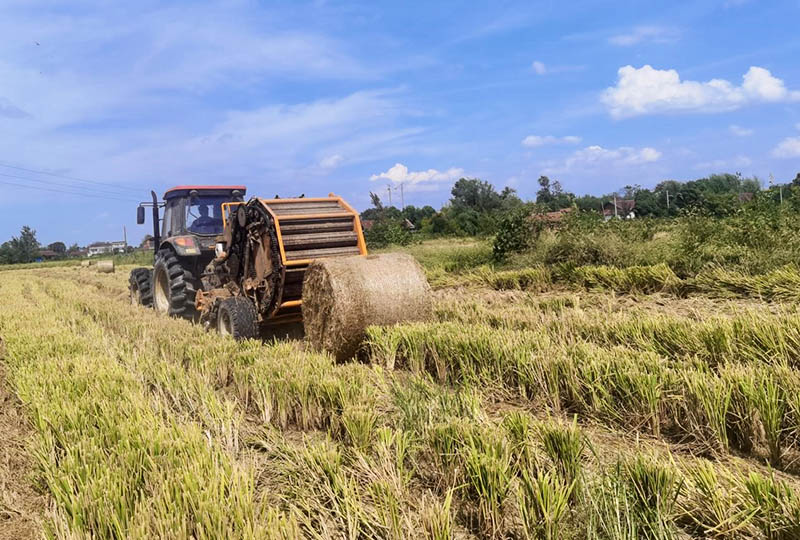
{"x":384,"y":233}
{"x":515,"y":233}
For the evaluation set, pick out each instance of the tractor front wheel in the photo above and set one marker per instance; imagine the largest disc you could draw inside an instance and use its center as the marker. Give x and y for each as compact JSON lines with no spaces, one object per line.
{"x":141,"y":287}
{"x":173,"y":286}
{"x":237,"y":317}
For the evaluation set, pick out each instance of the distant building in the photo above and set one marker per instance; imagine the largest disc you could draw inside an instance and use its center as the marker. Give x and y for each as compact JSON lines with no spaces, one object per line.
{"x":47,"y":254}
{"x":625,"y":209}
{"x":553,"y":219}
{"x":103,"y":248}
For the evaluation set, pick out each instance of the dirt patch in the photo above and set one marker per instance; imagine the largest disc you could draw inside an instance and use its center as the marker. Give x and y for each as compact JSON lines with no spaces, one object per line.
{"x":21,"y":507}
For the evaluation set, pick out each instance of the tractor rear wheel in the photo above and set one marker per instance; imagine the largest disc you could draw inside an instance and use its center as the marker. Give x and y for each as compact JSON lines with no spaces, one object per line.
{"x":173,"y":286}
{"x":141,"y":287}
{"x":237,"y":317}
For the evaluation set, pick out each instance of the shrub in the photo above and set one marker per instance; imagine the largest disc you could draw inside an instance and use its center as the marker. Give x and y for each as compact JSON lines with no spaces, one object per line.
{"x":385,"y":233}
{"x":515,"y":233}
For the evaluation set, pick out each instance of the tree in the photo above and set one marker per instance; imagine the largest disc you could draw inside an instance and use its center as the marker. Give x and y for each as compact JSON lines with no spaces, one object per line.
{"x":510,"y":199}
{"x":474,"y":194}
{"x":58,"y":247}
{"x":73,"y":248}
{"x":544,"y":195}
{"x":376,"y":201}
{"x":796,"y":181}
{"x":22,"y":249}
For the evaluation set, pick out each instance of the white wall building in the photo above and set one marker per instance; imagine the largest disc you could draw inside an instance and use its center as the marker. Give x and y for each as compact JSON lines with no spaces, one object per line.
{"x":102,"y":248}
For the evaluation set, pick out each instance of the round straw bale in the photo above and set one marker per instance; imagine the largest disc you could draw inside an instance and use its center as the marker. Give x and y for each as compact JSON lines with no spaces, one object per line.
{"x":105,"y":267}
{"x":343,"y":296}
{"x":85,"y":264}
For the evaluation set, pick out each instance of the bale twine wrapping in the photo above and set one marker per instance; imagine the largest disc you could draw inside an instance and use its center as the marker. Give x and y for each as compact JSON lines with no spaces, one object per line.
{"x":343,"y":296}
{"x":105,"y":267}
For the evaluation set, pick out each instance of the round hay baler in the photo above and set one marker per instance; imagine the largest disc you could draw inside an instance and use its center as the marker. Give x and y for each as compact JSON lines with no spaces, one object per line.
{"x":284,"y":261}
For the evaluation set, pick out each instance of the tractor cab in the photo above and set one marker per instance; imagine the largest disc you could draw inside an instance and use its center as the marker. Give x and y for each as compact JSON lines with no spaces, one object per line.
{"x":197,"y":209}
{"x":192,"y":216}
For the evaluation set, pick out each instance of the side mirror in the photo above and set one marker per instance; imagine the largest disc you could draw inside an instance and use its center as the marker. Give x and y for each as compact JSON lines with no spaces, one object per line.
{"x":140,"y":215}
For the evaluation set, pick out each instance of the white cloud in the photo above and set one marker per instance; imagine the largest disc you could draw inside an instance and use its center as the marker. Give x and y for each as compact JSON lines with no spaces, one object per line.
{"x":718,"y":165}
{"x":532,"y":141}
{"x":623,"y":155}
{"x":740,"y":131}
{"x":647,"y":90}
{"x":400,"y":173}
{"x":787,"y":148}
{"x":540,"y":68}
{"x":591,"y":157}
{"x":655,"y":34}
{"x":331,"y":162}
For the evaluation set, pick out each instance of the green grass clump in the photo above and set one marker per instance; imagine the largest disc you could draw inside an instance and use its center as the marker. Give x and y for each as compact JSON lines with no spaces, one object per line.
{"x":775,"y":506}
{"x":543,"y":499}
{"x":527,"y":279}
{"x":653,"y":489}
{"x":629,"y":279}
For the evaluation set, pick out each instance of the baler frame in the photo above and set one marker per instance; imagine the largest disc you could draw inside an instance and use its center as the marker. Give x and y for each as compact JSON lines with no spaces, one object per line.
{"x":302,"y":229}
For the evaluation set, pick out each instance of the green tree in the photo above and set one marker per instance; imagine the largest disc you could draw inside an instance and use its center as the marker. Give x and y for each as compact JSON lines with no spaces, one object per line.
{"x":544,"y":196}
{"x":474,"y":194}
{"x":20,"y":249}
{"x":58,"y":247}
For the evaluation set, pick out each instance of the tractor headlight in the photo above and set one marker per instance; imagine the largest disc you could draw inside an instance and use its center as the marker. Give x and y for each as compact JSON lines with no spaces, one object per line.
{"x":186,"y":245}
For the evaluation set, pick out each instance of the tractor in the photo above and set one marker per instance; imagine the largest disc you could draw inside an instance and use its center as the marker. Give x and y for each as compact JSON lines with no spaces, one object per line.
{"x":184,"y":241}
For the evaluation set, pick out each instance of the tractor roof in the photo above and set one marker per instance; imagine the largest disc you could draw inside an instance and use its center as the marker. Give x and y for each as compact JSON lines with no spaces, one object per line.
{"x":183,"y":191}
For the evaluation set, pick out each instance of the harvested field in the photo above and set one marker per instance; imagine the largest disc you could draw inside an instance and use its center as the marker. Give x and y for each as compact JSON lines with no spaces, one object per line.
{"x":610,"y":406}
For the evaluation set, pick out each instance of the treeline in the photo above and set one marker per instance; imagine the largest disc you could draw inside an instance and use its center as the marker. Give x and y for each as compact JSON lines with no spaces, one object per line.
{"x":715,"y":195}
{"x":476,"y":208}
{"x":25,"y":248}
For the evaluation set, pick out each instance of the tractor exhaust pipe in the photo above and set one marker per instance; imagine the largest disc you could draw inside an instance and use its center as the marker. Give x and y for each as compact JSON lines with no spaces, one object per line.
{"x":156,"y":235}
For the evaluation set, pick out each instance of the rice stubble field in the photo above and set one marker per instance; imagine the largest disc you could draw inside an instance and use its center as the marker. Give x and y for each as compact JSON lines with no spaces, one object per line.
{"x":539,"y":403}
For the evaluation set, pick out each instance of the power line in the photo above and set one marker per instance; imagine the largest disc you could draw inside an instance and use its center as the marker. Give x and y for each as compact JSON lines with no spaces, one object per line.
{"x":74,"y":178}
{"x":6,"y":182}
{"x":82,"y":189}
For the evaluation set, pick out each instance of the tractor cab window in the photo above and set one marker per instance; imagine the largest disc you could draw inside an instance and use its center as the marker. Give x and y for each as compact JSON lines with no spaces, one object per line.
{"x":204,"y":214}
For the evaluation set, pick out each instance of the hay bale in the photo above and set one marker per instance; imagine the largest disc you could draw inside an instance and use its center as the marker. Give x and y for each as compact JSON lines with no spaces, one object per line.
{"x":105,"y":267}
{"x":85,"y":264}
{"x":343,"y":296}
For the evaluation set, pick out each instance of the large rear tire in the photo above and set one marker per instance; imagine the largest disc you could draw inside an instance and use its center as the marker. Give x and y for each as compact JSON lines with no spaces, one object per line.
{"x":173,"y":286}
{"x":141,"y":287}
{"x":237,"y":317}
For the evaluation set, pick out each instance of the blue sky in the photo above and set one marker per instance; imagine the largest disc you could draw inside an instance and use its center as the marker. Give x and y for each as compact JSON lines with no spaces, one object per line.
{"x":297,"y":97}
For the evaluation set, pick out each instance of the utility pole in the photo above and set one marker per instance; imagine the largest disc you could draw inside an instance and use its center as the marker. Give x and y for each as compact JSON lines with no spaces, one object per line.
{"x":389,"y":189}
{"x":402,"y":198}
{"x":667,"y":200}
{"x":615,"y":206}
{"x":780,"y":187}
{"x":125,"y":237}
